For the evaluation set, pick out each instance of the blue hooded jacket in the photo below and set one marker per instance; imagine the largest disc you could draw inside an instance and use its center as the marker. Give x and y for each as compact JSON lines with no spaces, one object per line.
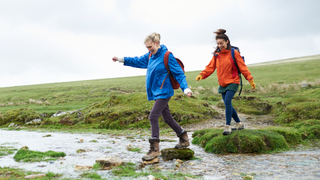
{"x":156,"y":73}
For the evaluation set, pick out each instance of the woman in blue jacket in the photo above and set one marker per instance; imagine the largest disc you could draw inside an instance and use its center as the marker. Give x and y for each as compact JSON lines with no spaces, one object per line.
{"x":156,"y":73}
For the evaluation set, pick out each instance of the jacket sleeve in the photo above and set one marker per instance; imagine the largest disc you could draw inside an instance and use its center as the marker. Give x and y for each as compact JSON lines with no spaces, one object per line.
{"x":210,"y":68}
{"x":138,"y":62}
{"x":177,"y":72}
{"x":242,"y":66}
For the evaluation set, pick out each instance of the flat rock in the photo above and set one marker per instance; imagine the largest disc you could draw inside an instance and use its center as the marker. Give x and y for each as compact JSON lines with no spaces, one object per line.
{"x":172,"y":153}
{"x":82,"y":168}
{"x":109,"y":161}
{"x":153,"y":161}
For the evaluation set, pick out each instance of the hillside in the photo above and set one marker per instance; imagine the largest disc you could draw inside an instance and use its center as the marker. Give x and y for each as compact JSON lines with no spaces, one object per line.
{"x":123,"y":101}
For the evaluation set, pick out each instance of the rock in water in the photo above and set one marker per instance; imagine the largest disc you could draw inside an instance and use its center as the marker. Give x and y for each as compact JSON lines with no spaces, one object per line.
{"x":82,"y":168}
{"x":109,"y":162}
{"x":172,"y":153}
{"x":153,"y":161}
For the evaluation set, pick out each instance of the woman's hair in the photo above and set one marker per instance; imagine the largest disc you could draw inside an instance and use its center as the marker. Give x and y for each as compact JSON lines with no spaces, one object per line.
{"x":221,"y":35}
{"x":154,"y":37}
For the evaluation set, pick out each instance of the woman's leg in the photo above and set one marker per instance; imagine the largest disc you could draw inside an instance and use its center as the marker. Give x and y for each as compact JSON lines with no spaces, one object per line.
{"x":167,"y":117}
{"x":229,"y":111}
{"x":161,"y":107}
{"x":183,"y":136}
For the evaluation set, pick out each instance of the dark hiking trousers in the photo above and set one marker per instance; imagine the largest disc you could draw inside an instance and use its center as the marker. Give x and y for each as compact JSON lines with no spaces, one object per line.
{"x":161,"y":107}
{"x":230,"y":111}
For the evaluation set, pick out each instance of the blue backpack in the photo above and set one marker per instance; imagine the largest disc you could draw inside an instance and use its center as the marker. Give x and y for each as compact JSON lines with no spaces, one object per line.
{"x":234,"y":60}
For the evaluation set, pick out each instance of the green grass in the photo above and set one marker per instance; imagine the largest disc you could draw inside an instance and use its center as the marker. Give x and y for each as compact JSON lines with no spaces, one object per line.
{"x":268,"y":140}
{"x":6,"y":150}
{"x":27,"y":155}
{"x":90,"y":175}
{"x":132,"y":170}
{"x":133,"y":149}
{"x":121,"y":103}
{"x":9,"y":173}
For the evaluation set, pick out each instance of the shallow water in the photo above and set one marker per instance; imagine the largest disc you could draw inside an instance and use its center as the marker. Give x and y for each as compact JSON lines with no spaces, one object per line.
{"x":288,"y":165}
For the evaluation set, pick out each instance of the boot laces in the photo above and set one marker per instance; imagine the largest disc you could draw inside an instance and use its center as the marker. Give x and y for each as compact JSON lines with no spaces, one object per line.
{"x":150,"y":150}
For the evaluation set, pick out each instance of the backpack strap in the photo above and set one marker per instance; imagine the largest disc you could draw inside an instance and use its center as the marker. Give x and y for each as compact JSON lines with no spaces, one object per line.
{"x":166,"y":65}
{"x":239,"y":73}
{"x":234,"y":60}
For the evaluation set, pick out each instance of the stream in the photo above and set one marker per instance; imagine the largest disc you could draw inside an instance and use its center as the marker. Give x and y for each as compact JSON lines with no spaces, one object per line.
{"x":304,"y":164}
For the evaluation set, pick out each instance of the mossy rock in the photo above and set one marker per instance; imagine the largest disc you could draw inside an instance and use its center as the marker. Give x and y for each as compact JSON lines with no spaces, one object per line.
{"x":245,"y":141}
{"x":249,"y":105}
{"x":172,"y":153}
{"x":201,"y":137}
{"x":310,"y":132}
{"x":27,"y":155}
{"x":19,"y":116}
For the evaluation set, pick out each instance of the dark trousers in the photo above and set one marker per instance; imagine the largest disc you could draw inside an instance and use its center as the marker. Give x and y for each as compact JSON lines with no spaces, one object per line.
{"x":161,"y":107}
{"x":230,"y":111}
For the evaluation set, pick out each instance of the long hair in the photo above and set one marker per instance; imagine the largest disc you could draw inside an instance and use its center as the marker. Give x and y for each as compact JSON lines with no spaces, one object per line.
{"x":220,"y":34}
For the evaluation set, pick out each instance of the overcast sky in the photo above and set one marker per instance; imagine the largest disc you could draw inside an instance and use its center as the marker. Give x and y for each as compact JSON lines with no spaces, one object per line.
{"x":45,"y":41}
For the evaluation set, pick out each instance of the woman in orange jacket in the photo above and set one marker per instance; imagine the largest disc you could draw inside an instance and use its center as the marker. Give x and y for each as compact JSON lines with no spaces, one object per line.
{"x":227,"y":76}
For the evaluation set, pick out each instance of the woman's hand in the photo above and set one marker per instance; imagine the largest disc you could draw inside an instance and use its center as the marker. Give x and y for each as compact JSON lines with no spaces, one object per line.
{"x":253,"y":85}
{"x":188,"y":92}
{"x":199,"y":77}
{"x":115,"y":59}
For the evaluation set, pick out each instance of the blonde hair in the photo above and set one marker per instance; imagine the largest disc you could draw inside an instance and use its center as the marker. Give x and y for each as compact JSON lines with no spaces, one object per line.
{"x":154,"y":37}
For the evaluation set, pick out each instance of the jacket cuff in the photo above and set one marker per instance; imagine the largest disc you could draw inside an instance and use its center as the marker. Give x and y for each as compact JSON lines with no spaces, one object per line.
{"x":186,"y":91}
{"x":121,"y":59}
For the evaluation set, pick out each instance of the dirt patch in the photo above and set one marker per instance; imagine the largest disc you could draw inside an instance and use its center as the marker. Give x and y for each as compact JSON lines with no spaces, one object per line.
{"x":218,"y":121}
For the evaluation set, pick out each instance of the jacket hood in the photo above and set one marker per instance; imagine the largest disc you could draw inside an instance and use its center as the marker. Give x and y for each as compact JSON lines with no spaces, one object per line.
{"x":161,"y":49}
{"x":224,"y":51}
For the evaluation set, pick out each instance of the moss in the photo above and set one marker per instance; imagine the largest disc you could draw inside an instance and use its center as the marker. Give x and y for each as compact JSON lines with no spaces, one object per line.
{"x":172,"y":153}
{"x":245,"y":141}
{"x":201,"y":137}
{"x":132,"y":110}
{"x":299,"y":106}
{"x":310,"y":132}
{"x":27,"y":155}
{"x":19,"y":116}
{"x":307,"y":123}
{"x":292,"y":136}
{"x":296,"y":112}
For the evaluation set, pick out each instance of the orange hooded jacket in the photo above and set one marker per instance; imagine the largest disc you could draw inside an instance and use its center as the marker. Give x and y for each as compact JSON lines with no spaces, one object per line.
{"x":226,"y":69}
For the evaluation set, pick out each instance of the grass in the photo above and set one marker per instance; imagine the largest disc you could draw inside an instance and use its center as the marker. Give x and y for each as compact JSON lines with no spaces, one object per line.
{"x":133,"y":149}
{"x":6,"y":150}
{"x":132,"y":170}
{"x":27,"y":155}
{"x":108,"y":105}
{"x":90,"y":175}
{"x":268,"y":140}
{"x":8,"y":173}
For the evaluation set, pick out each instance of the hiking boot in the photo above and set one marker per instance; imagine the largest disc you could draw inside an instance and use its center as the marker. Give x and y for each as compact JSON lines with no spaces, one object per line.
{"x":227,"y":130}
{"x":238,"y":126}
{"x":183,"y":140}
{"x":154,"y":150}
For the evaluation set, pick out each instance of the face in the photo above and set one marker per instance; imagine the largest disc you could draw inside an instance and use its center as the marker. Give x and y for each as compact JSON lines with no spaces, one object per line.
{"x":152,"y":47}
{"x":222,"y":44}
